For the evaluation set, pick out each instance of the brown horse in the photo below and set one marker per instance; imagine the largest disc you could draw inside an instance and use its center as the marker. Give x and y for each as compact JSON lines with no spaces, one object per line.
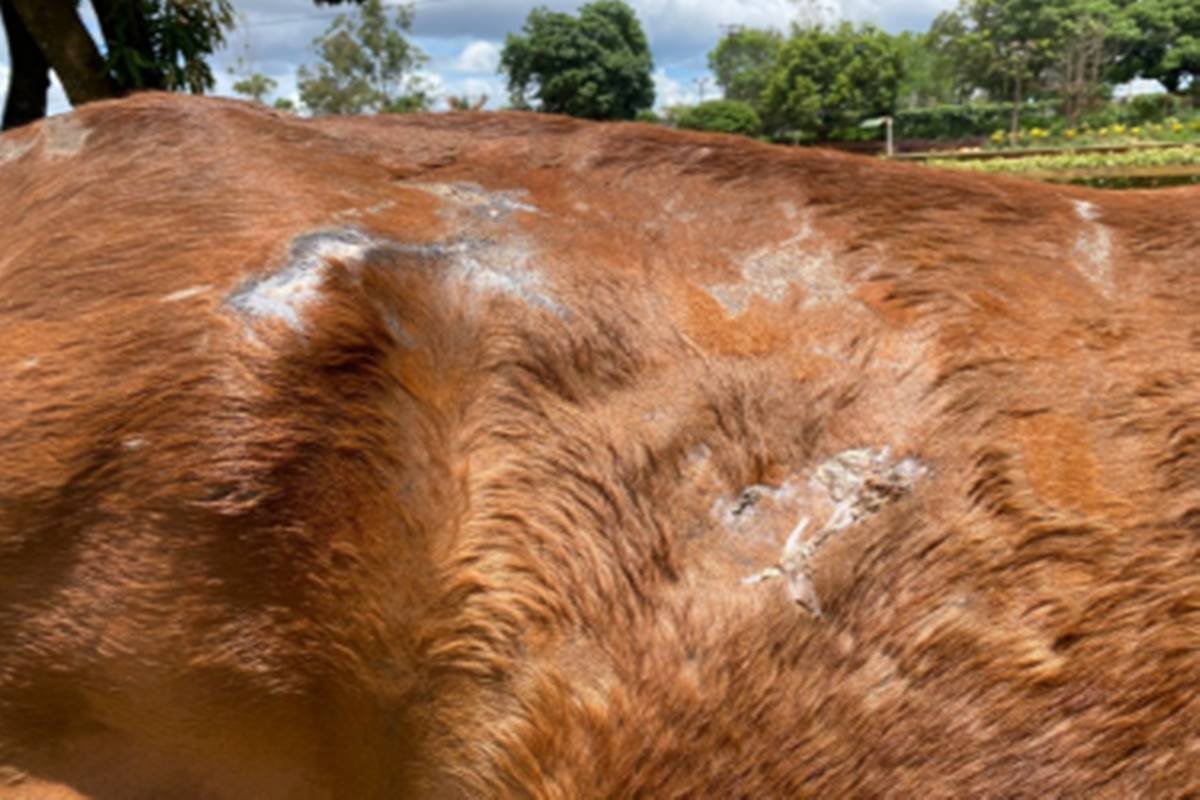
{"x":479,"y":455}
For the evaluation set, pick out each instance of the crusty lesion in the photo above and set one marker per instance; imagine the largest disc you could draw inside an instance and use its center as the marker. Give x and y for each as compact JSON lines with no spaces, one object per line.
{"x":859,"y":483}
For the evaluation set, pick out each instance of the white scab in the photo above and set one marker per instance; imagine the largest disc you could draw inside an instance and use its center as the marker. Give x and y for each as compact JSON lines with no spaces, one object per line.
{"x":348,"y":214}
{"x":492,"y":204}
{"x":496,"y":258}
{"x":742,"y":509}
{"x":133,"y":443}
{"x":12,"y":148}
{"x":186,"y":294}
{"x":504,"y":269}
{"x":1093,"y":247}
{"x":286,"y":294}
{"x":31,"y":363}
{"x":64,"y":136}
{"x":802,"y":261}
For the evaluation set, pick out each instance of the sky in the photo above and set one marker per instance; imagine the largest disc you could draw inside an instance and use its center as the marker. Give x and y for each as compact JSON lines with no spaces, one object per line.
{"x":463,"y":39}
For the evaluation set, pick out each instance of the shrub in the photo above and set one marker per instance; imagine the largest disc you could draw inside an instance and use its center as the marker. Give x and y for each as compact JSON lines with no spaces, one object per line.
{"x":971,"y":119}
{"x":722,"y":116}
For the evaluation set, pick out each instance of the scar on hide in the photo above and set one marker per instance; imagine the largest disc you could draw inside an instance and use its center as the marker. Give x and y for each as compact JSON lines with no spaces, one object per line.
{"x":859,"y":483}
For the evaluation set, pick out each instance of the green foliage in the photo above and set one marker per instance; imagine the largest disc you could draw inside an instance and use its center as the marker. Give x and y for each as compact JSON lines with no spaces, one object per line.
{"x":163,"y":44}
{"x":929,"y":77}
{"x":829,"y":79}
{"x":742,"y":63}
{"x":366,"y":64}
{"x":722,"y":116}
{"x":597,"y":65}
{"x":963,"y":121}
{"x":1002,"y":47}
{"x":648,"y":115}
{"x":1164,"y":45}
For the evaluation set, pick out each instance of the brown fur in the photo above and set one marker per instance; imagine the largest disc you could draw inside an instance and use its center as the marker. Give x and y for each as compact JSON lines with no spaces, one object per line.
{"x":473,"y":517}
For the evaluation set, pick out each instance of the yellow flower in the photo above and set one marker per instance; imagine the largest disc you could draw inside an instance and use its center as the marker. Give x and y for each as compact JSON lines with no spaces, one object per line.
{"x":1118,"y":129}
{"x":1070,"y":133}
{"x":1135,"y":131}
{"x":998,"y":137}
{"x":1102,"y":132}
{"x":1176,"y":126}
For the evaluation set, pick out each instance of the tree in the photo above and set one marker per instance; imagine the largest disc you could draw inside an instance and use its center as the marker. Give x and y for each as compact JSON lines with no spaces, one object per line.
{"x":1086,"y":45}
{"x":742,"y":62}
{"x":596,"y":65}
{"x":1006,"y":46}
{"x":145,"y":44}
{"x":366,"y":65}
{"x":829,"y":79}
{"x":722,"y":116}
{"x":1163,"y":43}
{"x":255,"y":86}
{"x":466,"y":102}
{"x":929,"y":75}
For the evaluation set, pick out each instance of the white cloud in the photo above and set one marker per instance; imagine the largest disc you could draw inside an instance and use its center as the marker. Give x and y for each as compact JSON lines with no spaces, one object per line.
{"x":668,"y":91}
{"x":432,"y":83}
{"x":3,"y":84}
{"x":479,"y":57}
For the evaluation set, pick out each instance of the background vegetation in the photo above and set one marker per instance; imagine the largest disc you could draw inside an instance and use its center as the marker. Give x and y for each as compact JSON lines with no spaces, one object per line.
{"x":989,"y":73}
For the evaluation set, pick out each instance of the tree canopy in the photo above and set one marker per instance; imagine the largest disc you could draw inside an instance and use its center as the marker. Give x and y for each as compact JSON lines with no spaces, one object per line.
{"x":828,"y":79}
{"x":145,"y":44}
{"x":742,"y":62}
{"x":1164,"y":44}
{"x":365,"y":63}
{"x":596,"y":65}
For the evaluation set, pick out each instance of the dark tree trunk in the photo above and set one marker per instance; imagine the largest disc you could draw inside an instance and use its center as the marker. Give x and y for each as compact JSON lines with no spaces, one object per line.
{"x":30,"y":78}
{"x":124,"y":25}
{"x":65,"y":43}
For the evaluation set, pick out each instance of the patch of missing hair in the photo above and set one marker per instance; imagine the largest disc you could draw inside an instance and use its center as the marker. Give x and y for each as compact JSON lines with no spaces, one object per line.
{"x":801,"y":261}
{"x":286,"y":293}
{"x":1093,"y":246}
{"x":858,"y":483}
{"x":490,"y":205}
{"x":64,"y":136}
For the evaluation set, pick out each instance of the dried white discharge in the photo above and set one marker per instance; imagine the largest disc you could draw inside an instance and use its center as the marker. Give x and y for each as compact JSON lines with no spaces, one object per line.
{"x":803,"y":261}
{"x":1093,"y":247}
{"x":286,"y":294}
{"x":859,"y":483}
